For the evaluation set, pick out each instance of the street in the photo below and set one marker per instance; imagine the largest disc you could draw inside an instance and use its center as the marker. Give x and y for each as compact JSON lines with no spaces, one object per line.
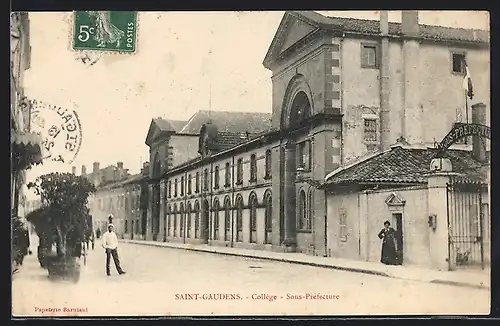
{"x":163,"y":281}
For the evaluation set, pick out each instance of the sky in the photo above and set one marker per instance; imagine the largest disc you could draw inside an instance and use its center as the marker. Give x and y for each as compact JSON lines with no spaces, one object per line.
{"x":179,"y":55}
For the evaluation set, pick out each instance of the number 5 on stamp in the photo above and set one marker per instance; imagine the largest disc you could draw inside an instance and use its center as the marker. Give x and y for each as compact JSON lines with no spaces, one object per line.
{"x":105,"y":31}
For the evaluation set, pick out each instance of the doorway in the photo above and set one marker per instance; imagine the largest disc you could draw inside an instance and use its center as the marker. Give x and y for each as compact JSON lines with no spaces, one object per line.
{"x":132,"y":230}
{"x":206,"y":223}
{"x":397,"y":221}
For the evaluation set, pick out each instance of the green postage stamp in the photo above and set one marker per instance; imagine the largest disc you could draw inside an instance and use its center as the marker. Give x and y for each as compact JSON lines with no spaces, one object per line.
{"x":105,"y":31}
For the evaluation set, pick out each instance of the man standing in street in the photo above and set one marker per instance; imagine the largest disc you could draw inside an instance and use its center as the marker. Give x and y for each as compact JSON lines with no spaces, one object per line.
{"x":110,"y":244}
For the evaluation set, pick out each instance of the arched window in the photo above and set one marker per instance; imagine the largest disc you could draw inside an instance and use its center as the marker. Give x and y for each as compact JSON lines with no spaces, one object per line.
{"x":205,"y":179}
{"x":300,"y":109}
{"x":268,"y":164}
{"x":310,"y":214}
{"x":216,"y":216}
{"x":239,"y":219}
{"x":175,"y":221}
{"x":227,"y":172}
{"x":216,"y":178}
{"x":196,"y":220}
{"x":181,"y":218}
{"x":252,"y":203}
{"x":227,"y":219}
{"x":268,"y":202}
{"x":302,"y":210}
{"x":188,"y":226}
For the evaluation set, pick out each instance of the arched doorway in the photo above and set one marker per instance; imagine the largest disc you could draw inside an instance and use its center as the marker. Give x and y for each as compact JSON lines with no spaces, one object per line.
{"x":296,"y":154}
{"x":205,"y":225}
{"x":155,"y":208}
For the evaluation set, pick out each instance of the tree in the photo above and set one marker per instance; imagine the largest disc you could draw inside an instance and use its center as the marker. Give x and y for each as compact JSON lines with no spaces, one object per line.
{"x":66,"y":197}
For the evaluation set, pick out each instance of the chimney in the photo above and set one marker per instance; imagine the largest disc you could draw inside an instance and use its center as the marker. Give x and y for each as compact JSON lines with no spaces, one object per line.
{"x":478,"y":143}
{"x":385,"y":124}
{"x":145,"y":169}
{"x":96,"y":167}
{"x":412,"y":128}
{"x":409,"y":23}
{"x":84,"y":170}
{"x":73,"y":170}
{"x":119,"y":165}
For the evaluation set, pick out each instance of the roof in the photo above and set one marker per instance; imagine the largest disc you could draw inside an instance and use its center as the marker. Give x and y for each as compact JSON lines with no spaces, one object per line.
{"x":177,"y":125}
{"x":406,"y":166}
{"x":229,"y":121}
{"x":129,"y":180}
{"x":371,"y":28}
{"x":163,"y":124}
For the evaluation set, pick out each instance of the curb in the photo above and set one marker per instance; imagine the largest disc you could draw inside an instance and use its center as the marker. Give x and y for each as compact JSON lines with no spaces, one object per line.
{"x":461,"y":284}
{"x":341,"y":268}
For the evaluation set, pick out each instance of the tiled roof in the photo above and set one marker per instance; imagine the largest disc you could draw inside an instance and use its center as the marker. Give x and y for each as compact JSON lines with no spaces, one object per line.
{"x":365,"y":26}
{"x":403,"y":165}
{"x":228,"y":121}
{"x":130,"y":179}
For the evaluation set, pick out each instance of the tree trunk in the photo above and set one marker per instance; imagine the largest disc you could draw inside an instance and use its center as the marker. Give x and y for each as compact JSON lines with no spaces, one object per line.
{"x":61,"y":243}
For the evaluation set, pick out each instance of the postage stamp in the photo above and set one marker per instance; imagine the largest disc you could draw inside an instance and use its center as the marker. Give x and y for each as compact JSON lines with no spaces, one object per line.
{"x":105,"y":31}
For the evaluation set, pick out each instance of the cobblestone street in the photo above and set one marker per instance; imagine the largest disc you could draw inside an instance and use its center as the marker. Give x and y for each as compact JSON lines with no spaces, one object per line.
{"x":158,"y":279}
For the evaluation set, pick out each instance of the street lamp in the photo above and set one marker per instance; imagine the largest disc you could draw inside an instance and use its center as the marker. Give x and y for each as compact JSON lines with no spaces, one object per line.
{"x":316,"y":185}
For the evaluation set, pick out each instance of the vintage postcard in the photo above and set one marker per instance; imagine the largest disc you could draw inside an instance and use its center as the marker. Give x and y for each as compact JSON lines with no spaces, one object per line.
{"x":274,"y":163}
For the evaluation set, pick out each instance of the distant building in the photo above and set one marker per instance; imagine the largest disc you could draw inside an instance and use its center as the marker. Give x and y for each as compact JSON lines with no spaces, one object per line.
{"x":345,"y":95}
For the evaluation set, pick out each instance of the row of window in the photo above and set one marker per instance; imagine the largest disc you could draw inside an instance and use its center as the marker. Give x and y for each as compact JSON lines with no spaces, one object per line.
{"x":175,"y":230}
{"x":370,"y":58}
{"x":127,"y":202}
{"x":216,"y":180}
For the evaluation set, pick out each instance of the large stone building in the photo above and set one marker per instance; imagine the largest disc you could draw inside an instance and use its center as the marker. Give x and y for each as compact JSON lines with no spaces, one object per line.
{"x":26,"y":147}
{"x":359,"y":104}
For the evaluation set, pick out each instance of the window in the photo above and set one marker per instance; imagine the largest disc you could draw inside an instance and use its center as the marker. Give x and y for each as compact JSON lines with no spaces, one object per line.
{"x":370,"y":130}
{"x":311,"y":210}
{"x":343,"y":225}
{"x":216,"y":219}
{"x":205,"y":179}
{"x":175,"y":220}
{"x":268,"y":164}
{"x":268,"y":218}
{"x":239,"y":171}
{"x":196,"y":220}
{"x":304,"y":155}
{"x":253,"y":168}
{"x":169,"y":189}
{"x":197,"y":190}
{"x":127,"y":204}
{"x":227,"y":219}
{"x":189,"y":185}
{"x":253,"y":218}
{"x":169,"y":218}
{"x":188,"y":227}
{"x":458,"y":63}
{"x":369,"y":56}
{"x":181,"y":213}
{"x":227,"y":181}
{"x":182,"y":186}
{"x":303,"y":211}
{"x":175,"y":188}
{"x":239,"y":219}
{"x":126,"y":226}
{"x":216,"y":178}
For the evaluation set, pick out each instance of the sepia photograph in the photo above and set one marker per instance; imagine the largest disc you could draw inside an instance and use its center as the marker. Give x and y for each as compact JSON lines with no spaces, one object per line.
{"x":250,"y":163}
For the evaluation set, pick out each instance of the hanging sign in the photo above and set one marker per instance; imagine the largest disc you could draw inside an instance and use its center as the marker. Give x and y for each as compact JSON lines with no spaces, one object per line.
{"x":60,"y":128}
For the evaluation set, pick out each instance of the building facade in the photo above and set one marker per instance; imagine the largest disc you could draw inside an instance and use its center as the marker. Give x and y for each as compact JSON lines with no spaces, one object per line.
{"x":342,"y":90}
{"x":26,"y":147}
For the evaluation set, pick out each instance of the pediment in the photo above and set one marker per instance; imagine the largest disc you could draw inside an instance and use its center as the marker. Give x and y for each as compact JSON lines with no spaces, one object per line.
{"x":395,"y":200}
{"x":154,"y":132}
{"x":291,"y":31}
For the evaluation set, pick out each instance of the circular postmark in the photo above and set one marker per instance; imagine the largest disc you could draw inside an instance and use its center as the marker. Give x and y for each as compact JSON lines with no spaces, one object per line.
{"x":60,"y":128}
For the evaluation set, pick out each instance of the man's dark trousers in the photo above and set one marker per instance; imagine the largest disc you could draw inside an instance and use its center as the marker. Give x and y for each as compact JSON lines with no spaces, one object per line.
{"x":114,"y":254}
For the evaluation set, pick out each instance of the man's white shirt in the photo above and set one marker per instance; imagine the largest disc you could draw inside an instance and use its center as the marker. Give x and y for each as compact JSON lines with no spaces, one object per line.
{"x":110,"y":240}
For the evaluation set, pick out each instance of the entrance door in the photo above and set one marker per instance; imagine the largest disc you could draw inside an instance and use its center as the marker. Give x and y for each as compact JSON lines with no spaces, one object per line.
{"x":397,"y":220}
{"x":206,"y":223}
{"x":132,"y":230}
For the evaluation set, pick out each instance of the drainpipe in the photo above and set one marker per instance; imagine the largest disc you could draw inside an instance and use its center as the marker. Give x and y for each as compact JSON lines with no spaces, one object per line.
{"x":232,"y":203}
{"x":326,"y":221}
{"x":384,"y":82}
{"x":184,"y":219}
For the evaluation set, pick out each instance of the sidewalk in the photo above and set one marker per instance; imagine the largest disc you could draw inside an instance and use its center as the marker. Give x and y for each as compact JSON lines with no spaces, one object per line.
{"x":480,"y":279}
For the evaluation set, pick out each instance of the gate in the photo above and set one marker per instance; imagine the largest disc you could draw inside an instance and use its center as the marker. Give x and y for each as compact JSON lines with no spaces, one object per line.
{"x":465,"y":226}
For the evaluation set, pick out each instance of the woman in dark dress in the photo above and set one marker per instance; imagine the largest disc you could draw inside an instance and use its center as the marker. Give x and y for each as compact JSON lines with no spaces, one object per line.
{"x":387,"y":234}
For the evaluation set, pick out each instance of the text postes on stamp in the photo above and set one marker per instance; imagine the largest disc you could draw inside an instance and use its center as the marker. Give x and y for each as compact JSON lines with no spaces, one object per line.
{"x":105,"y":31}
{"x":60,"y":128}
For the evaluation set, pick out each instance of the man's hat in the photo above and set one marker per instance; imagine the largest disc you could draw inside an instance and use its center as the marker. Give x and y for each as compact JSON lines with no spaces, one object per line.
{"x":111,"y":225}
